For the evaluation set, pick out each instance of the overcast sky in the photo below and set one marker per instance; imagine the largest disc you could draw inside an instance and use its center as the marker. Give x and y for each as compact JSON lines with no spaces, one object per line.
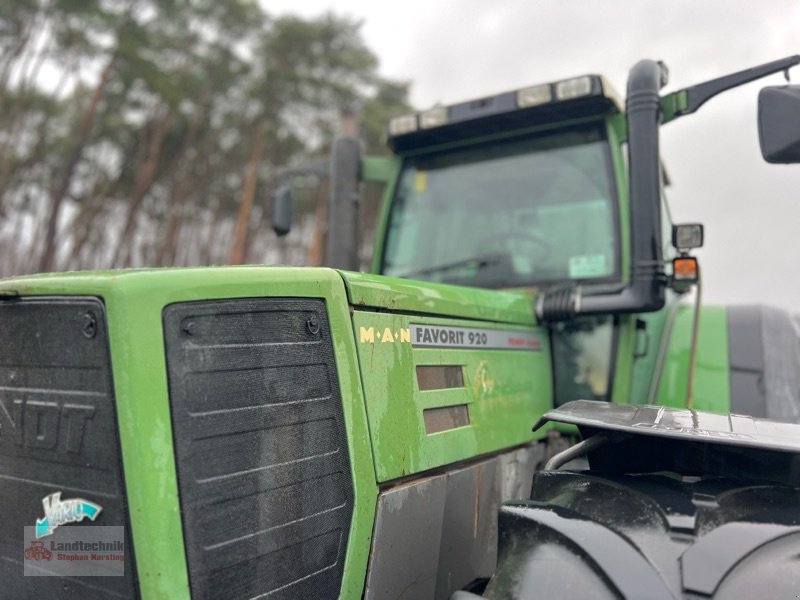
{"x":454,"y":50}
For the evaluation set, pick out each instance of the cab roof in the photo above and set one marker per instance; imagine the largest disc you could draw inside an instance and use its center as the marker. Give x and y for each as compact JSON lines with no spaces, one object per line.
{"x":569,"y":99}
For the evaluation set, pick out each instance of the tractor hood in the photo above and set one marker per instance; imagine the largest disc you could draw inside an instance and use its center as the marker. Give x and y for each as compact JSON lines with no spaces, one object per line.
{"x":448,"y":372}
{"x":420,"y":297}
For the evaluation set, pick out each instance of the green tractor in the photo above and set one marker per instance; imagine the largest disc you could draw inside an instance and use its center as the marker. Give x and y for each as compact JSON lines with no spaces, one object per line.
{"x":273,"y":432}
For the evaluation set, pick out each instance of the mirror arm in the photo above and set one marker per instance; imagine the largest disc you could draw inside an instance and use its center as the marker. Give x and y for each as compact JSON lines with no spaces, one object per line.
{"x":697,"y":95}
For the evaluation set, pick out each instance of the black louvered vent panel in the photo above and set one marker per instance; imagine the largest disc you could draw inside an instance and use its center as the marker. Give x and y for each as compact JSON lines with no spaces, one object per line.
{"x":58,"y":433}
{"x":263,"y":468}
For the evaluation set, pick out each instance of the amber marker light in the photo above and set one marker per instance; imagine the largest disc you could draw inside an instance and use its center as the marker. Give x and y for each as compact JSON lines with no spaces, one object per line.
{"x":684,"y":268}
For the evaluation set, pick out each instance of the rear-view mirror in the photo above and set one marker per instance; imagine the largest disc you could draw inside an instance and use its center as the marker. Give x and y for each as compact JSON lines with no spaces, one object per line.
{"x":282,"y":200}
{"x":779,"y":123}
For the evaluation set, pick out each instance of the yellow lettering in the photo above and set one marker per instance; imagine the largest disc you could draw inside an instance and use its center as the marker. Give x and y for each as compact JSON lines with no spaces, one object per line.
{"x":387,"y":335}
{"x":366,"y":334}
{"x":405,"y":335}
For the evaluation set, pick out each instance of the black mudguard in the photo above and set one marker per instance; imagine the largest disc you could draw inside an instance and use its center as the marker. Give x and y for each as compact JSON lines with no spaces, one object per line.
{"x":675,"y":504}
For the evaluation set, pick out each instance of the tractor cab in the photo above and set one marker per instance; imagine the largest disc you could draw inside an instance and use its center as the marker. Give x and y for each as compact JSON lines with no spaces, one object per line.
{"x":514,"y":191}
{"x":523,"y":190}
{"x":558,"y":189}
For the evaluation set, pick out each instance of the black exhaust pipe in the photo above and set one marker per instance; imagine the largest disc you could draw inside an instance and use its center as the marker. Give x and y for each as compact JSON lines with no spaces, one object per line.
{"x":645,"y":290}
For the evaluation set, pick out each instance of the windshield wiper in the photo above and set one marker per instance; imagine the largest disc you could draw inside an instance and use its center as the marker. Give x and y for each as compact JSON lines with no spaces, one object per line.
{"x":477,"y":262}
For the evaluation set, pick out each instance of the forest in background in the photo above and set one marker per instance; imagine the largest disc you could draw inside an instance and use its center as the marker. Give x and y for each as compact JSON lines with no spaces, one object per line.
{"x":149,"y":133}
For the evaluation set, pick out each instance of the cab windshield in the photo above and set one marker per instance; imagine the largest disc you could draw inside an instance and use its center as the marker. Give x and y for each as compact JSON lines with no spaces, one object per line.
{"x":507,"y":214}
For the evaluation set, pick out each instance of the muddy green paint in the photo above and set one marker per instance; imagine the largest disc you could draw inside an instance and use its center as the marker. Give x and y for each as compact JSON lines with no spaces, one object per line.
{"x":673,"y":104}
{"x":134,"y":303}
{"x":616,"y":131}
{"x":625,"y":348}
{"x":646,"y":353}
{"x":383,"y":214}
{"x":378,"y":169}
{"x":712,"y":378}
{"x":505,"y":392}
{"x":406,"y":295}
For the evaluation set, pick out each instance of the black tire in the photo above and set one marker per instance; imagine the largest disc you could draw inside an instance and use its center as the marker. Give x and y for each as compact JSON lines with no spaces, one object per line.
{"x":587,"y":535}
